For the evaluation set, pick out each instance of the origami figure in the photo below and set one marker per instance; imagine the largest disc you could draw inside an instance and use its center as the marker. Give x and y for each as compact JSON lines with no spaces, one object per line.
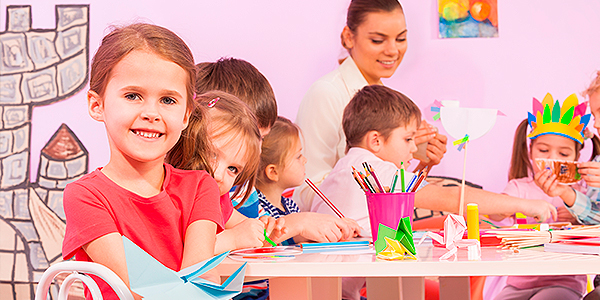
{"x":395,"y":244}
{"x":153,"y":281}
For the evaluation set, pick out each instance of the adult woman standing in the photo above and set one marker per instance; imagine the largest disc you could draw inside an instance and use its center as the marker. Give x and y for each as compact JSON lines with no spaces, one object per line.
{"x":375,"y":36}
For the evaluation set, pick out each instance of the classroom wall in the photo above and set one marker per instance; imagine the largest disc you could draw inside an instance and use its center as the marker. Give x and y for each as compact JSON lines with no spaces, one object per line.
{"x":543,"y":46}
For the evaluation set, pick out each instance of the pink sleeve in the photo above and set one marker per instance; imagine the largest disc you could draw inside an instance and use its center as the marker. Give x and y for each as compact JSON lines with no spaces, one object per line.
{"x":512,"y":189}
{"x":88,"y":218}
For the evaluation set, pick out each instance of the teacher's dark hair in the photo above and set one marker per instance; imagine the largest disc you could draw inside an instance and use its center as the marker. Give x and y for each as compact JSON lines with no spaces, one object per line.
{"x":358,"y":10}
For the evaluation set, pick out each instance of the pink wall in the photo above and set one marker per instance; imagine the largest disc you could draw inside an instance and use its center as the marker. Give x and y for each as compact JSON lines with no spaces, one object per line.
{"x":544,"y":46}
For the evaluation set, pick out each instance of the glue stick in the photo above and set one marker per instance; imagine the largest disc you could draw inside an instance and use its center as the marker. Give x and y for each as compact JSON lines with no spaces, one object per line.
{"x":472,"y":221}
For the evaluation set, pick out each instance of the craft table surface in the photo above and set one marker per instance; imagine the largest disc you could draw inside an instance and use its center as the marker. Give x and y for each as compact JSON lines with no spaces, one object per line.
{"x":494,"y":261}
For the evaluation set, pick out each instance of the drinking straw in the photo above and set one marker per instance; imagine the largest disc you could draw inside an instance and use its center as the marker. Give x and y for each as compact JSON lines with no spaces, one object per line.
{"x":402,"y":176}
{"x":394,"y":180}
{"x":269,"y":240}
{"x":327,"y":201}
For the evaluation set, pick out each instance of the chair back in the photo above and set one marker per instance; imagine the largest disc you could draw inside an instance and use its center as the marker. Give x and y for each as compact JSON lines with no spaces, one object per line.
{"x":79,"y":271}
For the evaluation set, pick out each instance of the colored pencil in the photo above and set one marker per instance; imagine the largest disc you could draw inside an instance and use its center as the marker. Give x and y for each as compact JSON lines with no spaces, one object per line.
{"x":394,"y":180}
{"x":269,"y":239}
{"x":411,"y":182}
{"x":402,"y":176}
{"x":325,"y":199}
{"x":379,"y":186}
{"x":367,"y":182}
{"x":423,"y":175}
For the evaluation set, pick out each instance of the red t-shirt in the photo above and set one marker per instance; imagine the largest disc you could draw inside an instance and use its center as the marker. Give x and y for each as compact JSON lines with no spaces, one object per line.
{"x":95,"y":206}
{"x":226,"y":208}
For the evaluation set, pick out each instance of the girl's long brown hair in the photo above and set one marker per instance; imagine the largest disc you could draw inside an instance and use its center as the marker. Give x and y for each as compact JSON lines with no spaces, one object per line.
{"x":520,"y":164}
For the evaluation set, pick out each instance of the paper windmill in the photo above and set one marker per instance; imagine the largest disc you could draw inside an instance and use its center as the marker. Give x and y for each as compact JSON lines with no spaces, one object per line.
{"x":152,"y":280}
{"x":395,"y":244}
{"x":454,"y":230}
{"x":464,"y":125}
{"x":459,"y":121}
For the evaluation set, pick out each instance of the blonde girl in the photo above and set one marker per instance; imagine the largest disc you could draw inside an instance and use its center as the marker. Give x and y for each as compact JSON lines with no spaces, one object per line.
{"x":231,"y":157}
{"x":141,"y":88}
{"x":282,"y":167}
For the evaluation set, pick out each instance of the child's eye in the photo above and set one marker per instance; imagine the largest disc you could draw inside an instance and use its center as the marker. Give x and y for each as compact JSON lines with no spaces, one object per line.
{"x":233,"y":170}
{"x":565,"y":154}
{"x":408,"y":140}
{"x":400,"y":40}
{"x":168,"y":100}
{"x":543,"y":150}
{"x":376,"y":41}
{"x":133,"y":96}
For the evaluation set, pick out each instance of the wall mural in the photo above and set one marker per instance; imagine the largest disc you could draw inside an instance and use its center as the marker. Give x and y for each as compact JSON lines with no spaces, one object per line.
{"x":38,"y":67}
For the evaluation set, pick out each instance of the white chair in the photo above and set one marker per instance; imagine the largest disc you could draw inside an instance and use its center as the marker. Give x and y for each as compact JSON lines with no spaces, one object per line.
{"x":79,"y":271}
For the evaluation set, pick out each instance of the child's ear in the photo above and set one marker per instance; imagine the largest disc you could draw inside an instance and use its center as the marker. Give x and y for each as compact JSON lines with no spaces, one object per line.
{"x":271,"y":173}
{"x":95,"y":106}
{"x":373,"y":141}
{"x":186,"y":118}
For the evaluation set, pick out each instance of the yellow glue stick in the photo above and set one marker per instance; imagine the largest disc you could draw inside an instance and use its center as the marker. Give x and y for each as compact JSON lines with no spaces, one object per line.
{"x":472,"y":221}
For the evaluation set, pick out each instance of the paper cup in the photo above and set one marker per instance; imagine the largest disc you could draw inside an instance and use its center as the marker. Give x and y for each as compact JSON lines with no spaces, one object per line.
{"x":388,"y":209}
{"x":565,"y":171}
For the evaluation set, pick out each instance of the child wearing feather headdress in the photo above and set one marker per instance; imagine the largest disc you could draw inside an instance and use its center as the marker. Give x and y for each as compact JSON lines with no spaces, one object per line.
{"x":545,"y":168}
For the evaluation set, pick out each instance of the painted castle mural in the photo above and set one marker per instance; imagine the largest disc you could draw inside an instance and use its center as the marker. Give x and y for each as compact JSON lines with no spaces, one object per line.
{"x":37,"y":67}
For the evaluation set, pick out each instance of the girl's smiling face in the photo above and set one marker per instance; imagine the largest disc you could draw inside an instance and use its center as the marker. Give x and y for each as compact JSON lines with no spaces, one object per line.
{"x":552,"y":146}
{"x":143,"y":107}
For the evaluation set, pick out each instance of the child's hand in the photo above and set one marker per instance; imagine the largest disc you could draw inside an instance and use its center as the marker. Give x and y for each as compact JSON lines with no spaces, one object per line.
{"x":540,"y":210}
{"x":546,"y":180}
{"x":275,"y":228}
{"x":349,"y":228}
{"x":436,"y":149}
{"x":590,"y":172}
{"x":316,"y":227}
{"x":564,"y":215}
{"x":250,"y":233}
{"x":425,"y":133}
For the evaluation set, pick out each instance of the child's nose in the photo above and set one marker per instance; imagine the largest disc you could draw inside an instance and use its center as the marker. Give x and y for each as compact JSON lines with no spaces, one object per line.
{"x":150,"y":113}
{"x":413,"y":147}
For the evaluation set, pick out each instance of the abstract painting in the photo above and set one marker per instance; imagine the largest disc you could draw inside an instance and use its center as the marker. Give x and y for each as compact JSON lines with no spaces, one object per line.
{"x":468,"y":18}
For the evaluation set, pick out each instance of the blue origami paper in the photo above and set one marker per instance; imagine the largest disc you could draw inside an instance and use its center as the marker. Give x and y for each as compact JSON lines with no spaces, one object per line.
{"x":152,"y":280}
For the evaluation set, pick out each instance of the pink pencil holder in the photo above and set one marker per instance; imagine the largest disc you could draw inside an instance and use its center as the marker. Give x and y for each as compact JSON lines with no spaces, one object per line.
{"x":388,"y":209}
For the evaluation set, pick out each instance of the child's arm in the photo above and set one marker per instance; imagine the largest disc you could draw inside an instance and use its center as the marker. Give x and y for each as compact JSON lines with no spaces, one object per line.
{"x":108,"y":251}
{"x":309,"y":226}
{"x":447,"y":199}
{"x":198,"y":245}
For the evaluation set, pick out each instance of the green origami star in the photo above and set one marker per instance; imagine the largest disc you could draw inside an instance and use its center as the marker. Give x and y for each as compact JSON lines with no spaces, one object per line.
{"x":403,"y":235}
